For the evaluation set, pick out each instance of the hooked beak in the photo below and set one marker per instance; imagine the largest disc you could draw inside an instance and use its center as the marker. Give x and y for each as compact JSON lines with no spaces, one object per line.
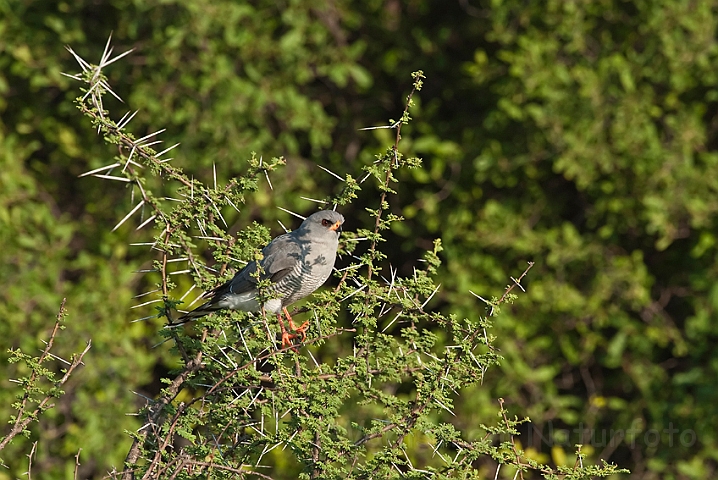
{"x":337,"y":227}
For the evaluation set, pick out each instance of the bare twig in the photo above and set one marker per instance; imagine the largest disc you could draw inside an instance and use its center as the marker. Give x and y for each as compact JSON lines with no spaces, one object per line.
{"x":29,"y":461}
{"x":77,"y":464}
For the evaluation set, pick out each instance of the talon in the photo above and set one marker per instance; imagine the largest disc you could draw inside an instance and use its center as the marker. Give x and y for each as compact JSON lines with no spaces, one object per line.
{"x":287,"y":340}
{"x":301,"y":330}
{"x":286,"y":336}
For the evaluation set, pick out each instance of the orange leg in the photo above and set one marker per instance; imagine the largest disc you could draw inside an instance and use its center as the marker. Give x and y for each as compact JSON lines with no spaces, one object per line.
{"x":286,"y":337}
{"x":302,"y":329}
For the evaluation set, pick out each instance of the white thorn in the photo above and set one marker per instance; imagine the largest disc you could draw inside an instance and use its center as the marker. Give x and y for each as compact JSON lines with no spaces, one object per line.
{"x":139,"y":205}
{"x":166,"y":150}
{"x":107,"y":167}
{"x":331,"y":173}
{"x":292,"y":213}
{"x":140,"y":140}
{"x":112,"y":177}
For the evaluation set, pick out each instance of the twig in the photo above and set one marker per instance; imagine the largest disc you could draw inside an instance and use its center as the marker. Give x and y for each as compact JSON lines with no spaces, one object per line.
{"x":519,"y":465}
{"x":29,"y":461}
{"x":157,"y":409}
{"x":23,"y":419}
{"x":77,"y":464}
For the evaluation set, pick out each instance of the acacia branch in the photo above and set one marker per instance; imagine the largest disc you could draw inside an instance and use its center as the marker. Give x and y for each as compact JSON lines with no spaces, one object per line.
{"x":23,"y":419}
{"x":157,"y":410}
{"x":519,"y":465}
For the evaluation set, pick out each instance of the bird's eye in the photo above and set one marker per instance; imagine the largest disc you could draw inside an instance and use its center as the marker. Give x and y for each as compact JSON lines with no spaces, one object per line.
{"x":326,"y":223}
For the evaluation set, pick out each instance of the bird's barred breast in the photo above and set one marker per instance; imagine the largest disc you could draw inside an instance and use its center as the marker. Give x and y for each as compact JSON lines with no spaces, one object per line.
{"x":305,"y":279}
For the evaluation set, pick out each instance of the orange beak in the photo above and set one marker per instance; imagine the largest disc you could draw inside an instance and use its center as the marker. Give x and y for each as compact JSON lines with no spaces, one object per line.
{"x":337,"y":227}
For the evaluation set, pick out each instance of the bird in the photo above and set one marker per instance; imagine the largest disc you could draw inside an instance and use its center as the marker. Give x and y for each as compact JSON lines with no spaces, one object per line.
{"x":296,"y":263}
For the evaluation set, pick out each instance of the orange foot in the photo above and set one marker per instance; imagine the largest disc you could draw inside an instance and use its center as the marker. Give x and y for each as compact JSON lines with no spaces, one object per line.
{"x":298,"y":331}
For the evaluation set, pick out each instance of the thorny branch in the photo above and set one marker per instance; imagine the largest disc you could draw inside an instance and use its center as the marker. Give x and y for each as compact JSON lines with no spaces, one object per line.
{"x":23,"y":418}
{"x":517,"y":457}
{"x":395,"y":148}
{"x":156,"y":411}
{"x":165,"y":459}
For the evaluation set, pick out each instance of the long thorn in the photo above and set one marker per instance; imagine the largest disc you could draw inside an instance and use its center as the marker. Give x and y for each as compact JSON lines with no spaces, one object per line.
{"x":139,"y":205}
{"x":107,"y":167}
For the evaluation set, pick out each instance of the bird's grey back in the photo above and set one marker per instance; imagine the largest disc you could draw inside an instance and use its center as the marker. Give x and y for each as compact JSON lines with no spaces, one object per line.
{"x":297,"y":263}
{"x":279,"y":259}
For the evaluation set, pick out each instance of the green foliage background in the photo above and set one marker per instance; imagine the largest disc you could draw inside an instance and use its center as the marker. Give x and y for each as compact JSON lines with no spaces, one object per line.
{"x":579,"y":135}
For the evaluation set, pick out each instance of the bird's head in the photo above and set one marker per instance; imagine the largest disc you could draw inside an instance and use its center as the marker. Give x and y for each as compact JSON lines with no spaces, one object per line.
{"x":324,"y":223}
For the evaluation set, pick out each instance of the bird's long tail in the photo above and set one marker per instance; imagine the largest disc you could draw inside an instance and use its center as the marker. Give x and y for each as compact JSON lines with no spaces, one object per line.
{"x":200,"y":311}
